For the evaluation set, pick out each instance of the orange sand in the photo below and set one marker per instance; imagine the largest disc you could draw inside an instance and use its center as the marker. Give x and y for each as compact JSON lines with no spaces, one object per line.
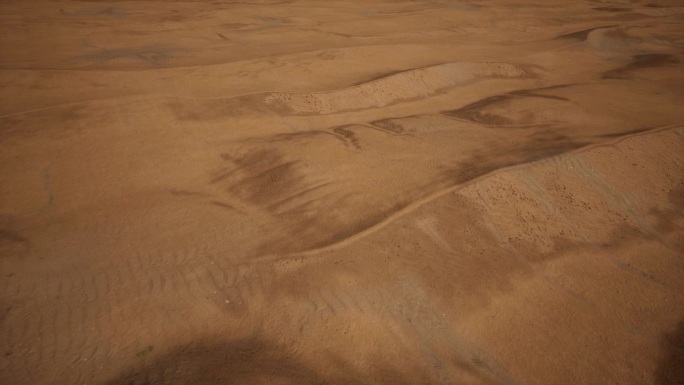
{"x":362,"y":192}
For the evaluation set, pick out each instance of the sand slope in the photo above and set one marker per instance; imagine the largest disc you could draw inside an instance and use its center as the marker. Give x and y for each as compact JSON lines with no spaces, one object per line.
{"x":372,"y":192}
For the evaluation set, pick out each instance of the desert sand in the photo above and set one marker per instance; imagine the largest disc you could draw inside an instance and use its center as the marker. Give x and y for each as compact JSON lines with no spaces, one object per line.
{"x":342,"y":192}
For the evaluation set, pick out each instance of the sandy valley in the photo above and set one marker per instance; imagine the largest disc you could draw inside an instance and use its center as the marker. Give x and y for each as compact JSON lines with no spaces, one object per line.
{"x":342,"y":192}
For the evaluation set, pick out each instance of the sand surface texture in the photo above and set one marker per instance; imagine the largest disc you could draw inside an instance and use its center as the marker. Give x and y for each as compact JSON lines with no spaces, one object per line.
{"x":342,"y":192}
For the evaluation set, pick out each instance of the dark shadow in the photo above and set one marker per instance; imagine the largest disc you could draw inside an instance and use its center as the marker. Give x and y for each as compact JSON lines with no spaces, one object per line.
{"x":246,"y":361}
{"x":254,"y":361}
{"x":671,"y":368}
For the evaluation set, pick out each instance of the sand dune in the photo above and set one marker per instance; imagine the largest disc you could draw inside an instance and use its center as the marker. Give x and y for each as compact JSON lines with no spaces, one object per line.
{"x":394,"y":89}
{"x":363,"y":192}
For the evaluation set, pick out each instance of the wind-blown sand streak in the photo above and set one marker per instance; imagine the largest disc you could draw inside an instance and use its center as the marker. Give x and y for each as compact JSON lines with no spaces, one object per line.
{"x":413,"y":206}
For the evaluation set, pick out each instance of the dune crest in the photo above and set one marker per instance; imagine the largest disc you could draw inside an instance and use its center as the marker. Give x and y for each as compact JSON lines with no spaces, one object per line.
{"x":406,"y":85}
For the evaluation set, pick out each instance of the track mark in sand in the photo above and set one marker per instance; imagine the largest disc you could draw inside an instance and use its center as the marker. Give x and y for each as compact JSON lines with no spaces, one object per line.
{"x":411,"y":207}
{"x":328,"y":302}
